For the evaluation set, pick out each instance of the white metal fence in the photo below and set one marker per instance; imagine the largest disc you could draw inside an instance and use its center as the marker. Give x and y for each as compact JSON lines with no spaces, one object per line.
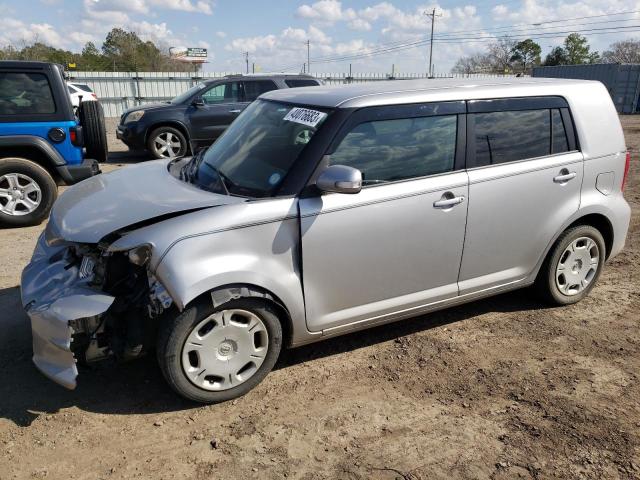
{"x":118,"y":91}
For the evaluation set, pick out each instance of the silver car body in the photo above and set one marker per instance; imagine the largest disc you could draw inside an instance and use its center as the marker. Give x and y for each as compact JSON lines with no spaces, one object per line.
{"x":338,"y":263}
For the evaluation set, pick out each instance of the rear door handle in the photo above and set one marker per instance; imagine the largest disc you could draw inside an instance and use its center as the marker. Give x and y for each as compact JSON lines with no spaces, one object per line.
{"x":235,"y":111}
{"x":447,"y":202}
{"x":564,"y":176}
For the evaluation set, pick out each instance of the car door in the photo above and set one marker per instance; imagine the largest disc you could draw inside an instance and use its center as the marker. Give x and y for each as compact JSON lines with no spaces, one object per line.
{"x":221,"y":104}
{"x":397,"y":244}
{"x":525,"y":176}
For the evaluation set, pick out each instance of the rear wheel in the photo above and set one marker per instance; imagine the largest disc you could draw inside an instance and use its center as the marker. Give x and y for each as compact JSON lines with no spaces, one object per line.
{"x":167,"y":142}
{"x":93,"y":128}
{"x":211,"y":355}
{"x":573,"y":266}
{"x":27,"y":192}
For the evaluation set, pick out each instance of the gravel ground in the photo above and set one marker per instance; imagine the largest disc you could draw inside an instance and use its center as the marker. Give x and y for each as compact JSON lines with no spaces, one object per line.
{"x":501,"y":388}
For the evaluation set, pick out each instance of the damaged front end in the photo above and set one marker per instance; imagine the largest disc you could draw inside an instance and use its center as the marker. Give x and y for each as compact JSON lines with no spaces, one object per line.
{"x":86,"y":304}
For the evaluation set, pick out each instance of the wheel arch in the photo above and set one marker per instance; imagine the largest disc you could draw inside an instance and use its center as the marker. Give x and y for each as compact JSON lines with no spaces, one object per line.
{"x":168,"y":123}
{"x":601,"y":223}
{"x":34,"y":154}
{"x":225,"y":293}
{"x":595,"y":217}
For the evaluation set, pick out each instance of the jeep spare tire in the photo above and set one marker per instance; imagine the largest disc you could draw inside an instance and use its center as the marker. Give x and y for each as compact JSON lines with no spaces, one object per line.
{"x":93,"y":128}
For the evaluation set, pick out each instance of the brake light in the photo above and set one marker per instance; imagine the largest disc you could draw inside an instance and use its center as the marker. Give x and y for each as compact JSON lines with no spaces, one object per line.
{"x":627,"y":164}
{"x":75,"y":135}
{"x":94,"y":96}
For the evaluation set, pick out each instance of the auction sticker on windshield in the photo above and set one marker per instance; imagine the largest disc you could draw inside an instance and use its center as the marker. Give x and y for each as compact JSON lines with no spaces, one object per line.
{"x":305,"y":116}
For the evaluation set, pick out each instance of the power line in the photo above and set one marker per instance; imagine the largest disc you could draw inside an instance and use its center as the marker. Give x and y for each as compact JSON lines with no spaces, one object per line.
{"x":388,"y":47}
{"x":479,"y":39}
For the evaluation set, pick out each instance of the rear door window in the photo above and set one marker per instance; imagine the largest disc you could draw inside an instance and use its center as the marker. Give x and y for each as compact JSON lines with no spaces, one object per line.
{"x":399,"y":149}
{"x":25,"y":94}
{"x":255,"y":88}
{"x":509,"y":136}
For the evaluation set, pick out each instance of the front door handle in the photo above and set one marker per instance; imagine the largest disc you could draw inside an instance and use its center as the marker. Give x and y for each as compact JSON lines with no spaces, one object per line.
{"x":235,"y":111}
{"x":564,"y":176}
{"x":448,"y":201}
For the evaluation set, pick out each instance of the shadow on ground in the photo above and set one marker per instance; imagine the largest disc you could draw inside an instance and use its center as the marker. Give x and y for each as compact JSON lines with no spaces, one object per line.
{"x":138,"y":387}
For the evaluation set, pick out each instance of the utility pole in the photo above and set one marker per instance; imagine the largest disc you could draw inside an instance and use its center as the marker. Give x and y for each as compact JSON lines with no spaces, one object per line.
{"x":433,"y":21}
{"x":308,"y":56}
{"x":246,"y":59}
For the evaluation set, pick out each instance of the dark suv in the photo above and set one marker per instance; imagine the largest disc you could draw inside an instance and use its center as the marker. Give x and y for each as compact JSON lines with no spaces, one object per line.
{"x":198,"y":116}
{"x":43,"y":141}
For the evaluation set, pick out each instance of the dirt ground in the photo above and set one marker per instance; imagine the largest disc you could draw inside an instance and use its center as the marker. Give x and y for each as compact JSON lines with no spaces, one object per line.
{"x":501,"y":388}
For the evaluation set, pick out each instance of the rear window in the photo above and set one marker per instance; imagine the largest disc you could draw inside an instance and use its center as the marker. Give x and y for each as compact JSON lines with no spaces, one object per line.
{"x":25,"y":94}
{"x":293,"y":83}
{"x":517,"y":135}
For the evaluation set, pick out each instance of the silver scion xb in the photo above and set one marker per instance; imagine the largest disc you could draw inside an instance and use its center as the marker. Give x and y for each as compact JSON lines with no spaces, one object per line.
{"x":325,"y":210}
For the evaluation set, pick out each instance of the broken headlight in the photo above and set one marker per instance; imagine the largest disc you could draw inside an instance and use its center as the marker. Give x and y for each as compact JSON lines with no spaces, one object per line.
{"x":140,"y":255}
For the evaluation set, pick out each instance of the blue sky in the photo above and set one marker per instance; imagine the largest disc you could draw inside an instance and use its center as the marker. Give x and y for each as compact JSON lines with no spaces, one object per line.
{"x":274,"y":32}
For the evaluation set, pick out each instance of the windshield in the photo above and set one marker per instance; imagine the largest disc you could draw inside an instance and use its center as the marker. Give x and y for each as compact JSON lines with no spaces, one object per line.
{"x":186,"y":95}
{"x":257,"y":151}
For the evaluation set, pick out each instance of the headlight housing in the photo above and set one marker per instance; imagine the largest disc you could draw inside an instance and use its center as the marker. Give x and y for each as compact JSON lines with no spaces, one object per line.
{"x":140,"y":255}
{"x":134,"y":116}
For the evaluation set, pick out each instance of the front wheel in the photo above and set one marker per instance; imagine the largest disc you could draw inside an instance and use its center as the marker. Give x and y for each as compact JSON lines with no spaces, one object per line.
{"x":27,"y":192}
{"x":573,"y":266}
{"x":211,"y":355}
{"x":167,"y":142}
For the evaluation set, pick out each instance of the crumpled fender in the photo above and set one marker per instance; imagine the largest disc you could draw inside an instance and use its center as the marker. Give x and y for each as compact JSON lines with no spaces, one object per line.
{"x":53,"y":295}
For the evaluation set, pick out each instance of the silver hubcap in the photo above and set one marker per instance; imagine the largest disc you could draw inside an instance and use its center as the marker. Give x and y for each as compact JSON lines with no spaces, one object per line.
{"x":225,"y":350}
{"x":167,"y":144}
{"x":19,"y":194}
{"x":578,"y":266}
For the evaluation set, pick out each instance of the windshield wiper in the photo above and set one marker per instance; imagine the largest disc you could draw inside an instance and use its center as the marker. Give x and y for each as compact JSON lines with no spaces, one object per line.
{"x":189,"y":170}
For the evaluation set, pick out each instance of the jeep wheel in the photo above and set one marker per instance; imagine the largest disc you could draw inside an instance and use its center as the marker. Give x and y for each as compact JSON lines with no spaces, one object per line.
{"x":167,"y":142}
{"x":93,"y":128}
{"x":27,"y":192}
{"x":211,"y":355}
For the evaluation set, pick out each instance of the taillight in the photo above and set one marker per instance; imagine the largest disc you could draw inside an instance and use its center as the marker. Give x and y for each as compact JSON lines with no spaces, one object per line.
{"x":627,"y":164}
{"x":94,"y":96}
{"x":75,"y":135}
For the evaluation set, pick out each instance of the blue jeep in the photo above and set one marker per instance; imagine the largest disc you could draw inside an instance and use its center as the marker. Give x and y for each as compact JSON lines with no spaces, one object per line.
{"x":43,"y":143}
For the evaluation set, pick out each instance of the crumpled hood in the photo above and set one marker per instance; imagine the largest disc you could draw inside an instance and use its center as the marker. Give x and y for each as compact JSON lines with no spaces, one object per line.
{"x":103,"y":204}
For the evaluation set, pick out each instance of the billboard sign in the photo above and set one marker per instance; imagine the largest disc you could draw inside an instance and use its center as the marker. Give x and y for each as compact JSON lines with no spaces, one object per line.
{"x":188,"y":55}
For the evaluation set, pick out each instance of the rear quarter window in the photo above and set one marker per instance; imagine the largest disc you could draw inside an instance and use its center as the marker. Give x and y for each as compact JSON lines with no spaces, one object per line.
{"x":293,"y":83}
{"x":25,"y":94}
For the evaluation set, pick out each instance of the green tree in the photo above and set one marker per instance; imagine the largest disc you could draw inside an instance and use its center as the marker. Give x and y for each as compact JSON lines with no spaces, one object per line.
{"x":526,"y":53}
{"x":557,"y":56}
{"x":578,"y":51}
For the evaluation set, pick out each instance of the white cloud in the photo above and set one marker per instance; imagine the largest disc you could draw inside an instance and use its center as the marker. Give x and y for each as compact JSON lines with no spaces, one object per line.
{"x":326,"y":12}
{"x":149,"y":6}
{"x":359,"y":24}
{"x":221,"y":34}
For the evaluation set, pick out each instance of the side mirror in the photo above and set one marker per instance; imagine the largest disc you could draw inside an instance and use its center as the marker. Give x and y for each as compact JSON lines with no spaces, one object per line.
{"x":340,"y":179}
{"x":197,"y":102}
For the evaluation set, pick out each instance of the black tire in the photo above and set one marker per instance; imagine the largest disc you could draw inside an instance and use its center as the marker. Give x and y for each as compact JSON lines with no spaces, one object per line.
{"x":93,"y":129}
{"x":48,"y":192}
{"x":546,"y":283}
{"x":176,"y":328}
{"x":155,"y":148}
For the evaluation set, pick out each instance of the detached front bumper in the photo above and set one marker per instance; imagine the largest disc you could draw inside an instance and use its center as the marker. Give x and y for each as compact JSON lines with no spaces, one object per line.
{"x":53,"y":295}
